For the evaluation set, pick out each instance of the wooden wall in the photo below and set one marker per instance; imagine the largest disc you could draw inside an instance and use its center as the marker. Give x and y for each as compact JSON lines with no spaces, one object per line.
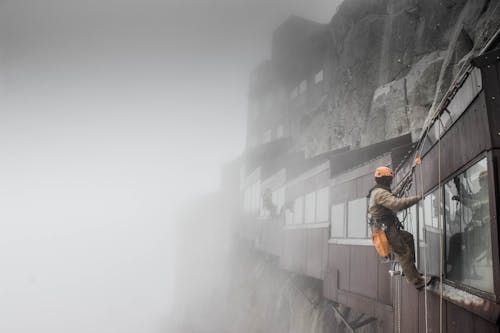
{"x":305,"y":251}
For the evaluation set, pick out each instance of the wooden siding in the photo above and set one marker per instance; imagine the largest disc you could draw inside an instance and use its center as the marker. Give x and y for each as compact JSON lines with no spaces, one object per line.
{"x":461,"y":144}
{"x":357,"y":270}
{"x":304,"y":251}
{"x":490,"y":73}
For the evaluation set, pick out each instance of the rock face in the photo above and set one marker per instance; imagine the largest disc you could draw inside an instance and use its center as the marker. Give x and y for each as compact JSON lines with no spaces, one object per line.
{"x":389,"y":63}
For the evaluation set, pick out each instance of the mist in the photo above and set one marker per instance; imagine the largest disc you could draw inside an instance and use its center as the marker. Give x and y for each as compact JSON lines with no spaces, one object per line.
{"x":112,"y":114}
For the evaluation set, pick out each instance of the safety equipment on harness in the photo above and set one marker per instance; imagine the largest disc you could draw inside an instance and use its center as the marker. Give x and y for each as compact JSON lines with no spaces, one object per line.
{"x":381,"y":243}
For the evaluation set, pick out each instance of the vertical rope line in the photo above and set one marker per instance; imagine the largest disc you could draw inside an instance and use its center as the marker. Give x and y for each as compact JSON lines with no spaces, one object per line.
{"x":425,"y":245}
{"x":440,"y":219}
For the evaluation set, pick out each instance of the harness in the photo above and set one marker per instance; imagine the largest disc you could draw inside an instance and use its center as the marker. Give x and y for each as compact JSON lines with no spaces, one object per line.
{"x":385,"y":221}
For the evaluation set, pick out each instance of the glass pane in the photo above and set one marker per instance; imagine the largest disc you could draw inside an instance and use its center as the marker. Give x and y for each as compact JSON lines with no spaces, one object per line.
{"x":322,"y":205}
{"x":298,"y":211}
{"x":409,"y":219}
{"x":468,"y":226}
{"x":430,"y":235}
{"x":356,"y":218}
{"x":310,"y":207}
{"x":338,"y":221}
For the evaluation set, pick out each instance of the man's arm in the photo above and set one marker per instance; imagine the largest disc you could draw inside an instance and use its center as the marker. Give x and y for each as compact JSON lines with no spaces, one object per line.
{"x":390,"y":201}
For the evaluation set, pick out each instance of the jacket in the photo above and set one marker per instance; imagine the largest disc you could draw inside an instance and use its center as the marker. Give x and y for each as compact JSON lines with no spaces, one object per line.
{"x":384,"y":204}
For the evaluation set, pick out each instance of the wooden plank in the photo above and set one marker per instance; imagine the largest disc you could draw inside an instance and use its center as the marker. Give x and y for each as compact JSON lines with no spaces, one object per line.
{"x":461,"y":144}
{"x":338,"y":260}
{"x":363,"y":271}
{"x":409,"y":310}
{"x":433,"y":313}
{"x":384,"y":292}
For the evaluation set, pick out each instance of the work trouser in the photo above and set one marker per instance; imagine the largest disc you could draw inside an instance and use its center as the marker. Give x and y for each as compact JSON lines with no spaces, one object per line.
{"x":403,"y":246}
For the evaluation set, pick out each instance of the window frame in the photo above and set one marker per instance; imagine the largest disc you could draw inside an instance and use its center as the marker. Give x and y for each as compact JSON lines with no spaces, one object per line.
{"x":489,"y":155}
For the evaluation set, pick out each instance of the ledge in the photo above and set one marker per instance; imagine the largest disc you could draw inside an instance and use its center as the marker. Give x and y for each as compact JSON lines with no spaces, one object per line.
{"x":479,"y":306}
{"x":351,"y":241}
{"x":307,"y":226}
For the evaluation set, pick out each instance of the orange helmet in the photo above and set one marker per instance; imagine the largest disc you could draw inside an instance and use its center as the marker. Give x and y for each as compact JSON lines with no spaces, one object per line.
{"x":383,"y":171}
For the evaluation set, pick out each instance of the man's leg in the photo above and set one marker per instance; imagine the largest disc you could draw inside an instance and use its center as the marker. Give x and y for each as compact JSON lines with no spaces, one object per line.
{"x":404,"y":255}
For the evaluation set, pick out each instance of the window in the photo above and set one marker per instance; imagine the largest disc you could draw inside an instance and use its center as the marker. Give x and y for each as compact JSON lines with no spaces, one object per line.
{"x":279,"y":200}
{"x":302,"y":87}
{"x":322,"y":205}
{"x":357,"y":225}
{"x":318,"y":77}
{"x":279,"y":131}
{"x":430,"y":234}
{"x":468,"y":229}
{"x":298,"y":211}
{"x":409,"y":219}
{"x":310,"y":207}
{"x":338,"y":221}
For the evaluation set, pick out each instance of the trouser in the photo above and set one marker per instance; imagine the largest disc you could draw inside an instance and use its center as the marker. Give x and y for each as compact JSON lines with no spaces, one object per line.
{"x":403,"y":246}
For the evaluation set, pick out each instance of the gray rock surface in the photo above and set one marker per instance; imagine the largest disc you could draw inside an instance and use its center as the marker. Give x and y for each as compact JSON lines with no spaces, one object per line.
{"x":389,"y":64}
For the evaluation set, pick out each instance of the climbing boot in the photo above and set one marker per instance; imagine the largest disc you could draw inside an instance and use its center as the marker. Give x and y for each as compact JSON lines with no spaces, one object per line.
{"x":423,"y":281}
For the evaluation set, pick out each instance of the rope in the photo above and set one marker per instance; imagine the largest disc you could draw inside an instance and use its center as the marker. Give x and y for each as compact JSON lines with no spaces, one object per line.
{"x":425,"y":245}
{"x":440,"y":203}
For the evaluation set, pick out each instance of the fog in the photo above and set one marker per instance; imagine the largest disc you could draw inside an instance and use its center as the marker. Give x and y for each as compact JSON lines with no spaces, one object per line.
{"x":112,"y":113}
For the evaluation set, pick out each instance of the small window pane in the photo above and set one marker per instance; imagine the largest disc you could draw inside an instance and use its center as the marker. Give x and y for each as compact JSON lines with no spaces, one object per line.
{"x":298,"y":211}
{"x":279,"y":131}
{"x":468,"y":226}
{"x":310,"y":207}
{"x":356,"y":218}
{"x":338,"y":221}
{"x":430,"y":235}
{"x":409,"y":219}
{"x":322,"y":205}
{"x":279,"y":200}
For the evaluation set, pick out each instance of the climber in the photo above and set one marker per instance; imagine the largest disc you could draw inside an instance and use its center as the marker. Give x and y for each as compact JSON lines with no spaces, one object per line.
{"x":382,"y":210}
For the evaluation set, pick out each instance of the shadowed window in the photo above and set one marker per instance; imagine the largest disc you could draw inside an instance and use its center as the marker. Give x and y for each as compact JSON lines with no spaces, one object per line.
{"x":468,"y":229}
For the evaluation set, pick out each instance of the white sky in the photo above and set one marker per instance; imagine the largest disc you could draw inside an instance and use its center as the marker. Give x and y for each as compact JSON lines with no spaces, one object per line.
{"x":111,"y":113}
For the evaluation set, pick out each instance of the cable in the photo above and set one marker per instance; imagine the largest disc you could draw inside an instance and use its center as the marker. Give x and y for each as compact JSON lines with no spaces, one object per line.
{"x":425,"y":245}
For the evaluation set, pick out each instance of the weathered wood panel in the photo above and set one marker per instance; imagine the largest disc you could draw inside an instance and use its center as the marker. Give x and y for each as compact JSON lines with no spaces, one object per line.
{"x":384,"y":291}
{"x":409,"y":308}
{"x":317,"y":181}
{"x":342,"y":192}
{"x":294,"y":251}
{"x":338,"y":261}
{"x":315,"y":240}
{"x":461,"y":144}
{"x":363,"y":271}
{"x":433,"y":313}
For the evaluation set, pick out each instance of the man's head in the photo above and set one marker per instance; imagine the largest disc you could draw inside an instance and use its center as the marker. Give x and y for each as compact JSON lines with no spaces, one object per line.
{"x":383,"y":176}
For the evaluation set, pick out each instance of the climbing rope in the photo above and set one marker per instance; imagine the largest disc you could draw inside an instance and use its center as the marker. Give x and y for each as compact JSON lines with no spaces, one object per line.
{"x":440,"y":224}
{"x":419,"y":161}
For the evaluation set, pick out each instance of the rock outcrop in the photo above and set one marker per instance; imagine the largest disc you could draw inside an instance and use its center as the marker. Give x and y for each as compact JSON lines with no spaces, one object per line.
{"x":389,"y":64}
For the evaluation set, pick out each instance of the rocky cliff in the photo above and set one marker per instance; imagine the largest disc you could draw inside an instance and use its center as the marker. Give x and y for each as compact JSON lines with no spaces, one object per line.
{"x":390,"y":62}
